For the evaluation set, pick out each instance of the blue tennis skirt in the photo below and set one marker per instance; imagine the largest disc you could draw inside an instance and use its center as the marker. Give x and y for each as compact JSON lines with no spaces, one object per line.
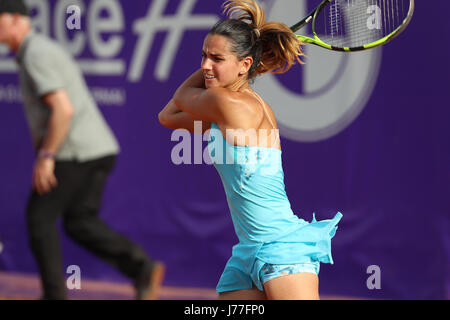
{"x":309,"y":244}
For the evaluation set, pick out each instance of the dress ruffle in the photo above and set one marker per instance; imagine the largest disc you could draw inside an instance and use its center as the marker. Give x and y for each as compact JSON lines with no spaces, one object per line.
{"x":310,"y":242}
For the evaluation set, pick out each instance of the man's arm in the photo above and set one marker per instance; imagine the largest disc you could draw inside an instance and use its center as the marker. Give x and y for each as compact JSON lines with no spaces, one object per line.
{"x":59,"y":122}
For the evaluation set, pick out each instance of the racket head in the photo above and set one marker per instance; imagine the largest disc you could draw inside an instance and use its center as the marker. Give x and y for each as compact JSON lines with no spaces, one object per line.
{"x":355,"y":25}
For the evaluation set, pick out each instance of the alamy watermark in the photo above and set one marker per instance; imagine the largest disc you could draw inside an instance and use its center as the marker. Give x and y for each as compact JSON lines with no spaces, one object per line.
{"x":374,"y":21}
{"x":227,"y":149}
{"x":374,"y":281}
{"x":74,"y":280}
{"x":73,"y":22}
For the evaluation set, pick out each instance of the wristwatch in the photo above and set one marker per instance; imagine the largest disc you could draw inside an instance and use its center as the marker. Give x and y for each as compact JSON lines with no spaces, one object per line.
{"x":45,"y":154}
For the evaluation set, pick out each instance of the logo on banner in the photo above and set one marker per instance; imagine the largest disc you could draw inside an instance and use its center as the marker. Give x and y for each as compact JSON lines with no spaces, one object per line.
{"x":332,"y":90}
{"x":105,"y":39}
{"x":67,"y":14}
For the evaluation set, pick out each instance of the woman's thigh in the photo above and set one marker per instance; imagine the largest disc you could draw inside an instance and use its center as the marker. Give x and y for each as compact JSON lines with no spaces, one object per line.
{"x":298,"y":286}
{"x":247,"y":294}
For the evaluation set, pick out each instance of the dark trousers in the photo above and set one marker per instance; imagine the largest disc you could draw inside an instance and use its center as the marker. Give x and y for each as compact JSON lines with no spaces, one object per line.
{"x":77,"y":200}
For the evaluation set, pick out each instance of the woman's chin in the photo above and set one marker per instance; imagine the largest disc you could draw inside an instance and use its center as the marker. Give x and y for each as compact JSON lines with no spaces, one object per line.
{"x":211,"y":85}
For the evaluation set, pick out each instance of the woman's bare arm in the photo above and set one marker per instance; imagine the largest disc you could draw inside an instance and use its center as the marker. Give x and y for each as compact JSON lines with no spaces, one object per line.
{"x":172,"y":117}
{"x":203,"y":104}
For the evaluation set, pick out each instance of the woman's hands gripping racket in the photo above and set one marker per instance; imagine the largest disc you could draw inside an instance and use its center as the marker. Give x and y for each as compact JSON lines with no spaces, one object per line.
{"x":354,"y":25}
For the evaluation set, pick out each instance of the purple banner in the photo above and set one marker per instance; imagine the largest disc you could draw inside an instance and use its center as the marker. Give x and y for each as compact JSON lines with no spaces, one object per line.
{"x":364,"y":133}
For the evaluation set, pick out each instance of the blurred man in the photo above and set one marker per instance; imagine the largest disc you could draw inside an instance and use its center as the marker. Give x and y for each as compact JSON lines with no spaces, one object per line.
{"x":75,"y":153}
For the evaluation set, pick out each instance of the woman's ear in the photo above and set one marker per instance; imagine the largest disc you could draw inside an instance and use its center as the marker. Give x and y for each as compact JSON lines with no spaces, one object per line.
{"x":246,"y":65}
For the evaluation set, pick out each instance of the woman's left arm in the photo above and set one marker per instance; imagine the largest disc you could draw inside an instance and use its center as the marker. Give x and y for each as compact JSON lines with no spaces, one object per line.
{"x":172,"y":117}
{"x":204,"y":104}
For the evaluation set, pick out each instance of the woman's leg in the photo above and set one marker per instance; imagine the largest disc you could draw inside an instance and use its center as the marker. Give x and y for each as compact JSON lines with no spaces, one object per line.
{"x":299,"y":286}
{"x":247,"y":294}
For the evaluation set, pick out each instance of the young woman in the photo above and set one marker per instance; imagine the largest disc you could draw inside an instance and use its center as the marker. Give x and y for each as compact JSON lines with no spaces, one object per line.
{"x":278,"y":254}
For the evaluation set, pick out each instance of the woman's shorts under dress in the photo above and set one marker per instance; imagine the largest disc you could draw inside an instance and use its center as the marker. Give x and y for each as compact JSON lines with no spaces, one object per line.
{"x":252,"y":264}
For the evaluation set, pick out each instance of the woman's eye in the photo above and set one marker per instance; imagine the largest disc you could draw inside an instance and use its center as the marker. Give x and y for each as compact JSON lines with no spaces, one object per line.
{"x":217,"y":59}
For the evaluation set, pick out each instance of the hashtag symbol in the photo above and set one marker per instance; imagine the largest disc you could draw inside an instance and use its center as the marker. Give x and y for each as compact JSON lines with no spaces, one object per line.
{"x":175,"y":25}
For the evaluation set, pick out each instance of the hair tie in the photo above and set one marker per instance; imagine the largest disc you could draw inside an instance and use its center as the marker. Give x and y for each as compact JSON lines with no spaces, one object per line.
{"x":258,"y":34}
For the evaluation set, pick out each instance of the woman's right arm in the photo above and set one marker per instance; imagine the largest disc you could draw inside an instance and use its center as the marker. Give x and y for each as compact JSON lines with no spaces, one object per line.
{"x":173,"y":118}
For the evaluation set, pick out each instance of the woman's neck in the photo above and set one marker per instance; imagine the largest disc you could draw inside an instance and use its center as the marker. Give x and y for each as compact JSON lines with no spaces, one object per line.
{"x":240,"y":85}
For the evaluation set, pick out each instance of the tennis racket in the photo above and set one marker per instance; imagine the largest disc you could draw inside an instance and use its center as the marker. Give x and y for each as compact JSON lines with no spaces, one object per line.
{"x":355,"y":25}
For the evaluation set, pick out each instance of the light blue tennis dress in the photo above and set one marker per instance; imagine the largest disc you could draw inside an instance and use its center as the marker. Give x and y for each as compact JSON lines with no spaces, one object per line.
{"x":268,"y":230}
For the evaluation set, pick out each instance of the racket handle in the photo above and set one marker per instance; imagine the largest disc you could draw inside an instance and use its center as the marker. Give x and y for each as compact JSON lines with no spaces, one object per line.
{"x":301,"y":24}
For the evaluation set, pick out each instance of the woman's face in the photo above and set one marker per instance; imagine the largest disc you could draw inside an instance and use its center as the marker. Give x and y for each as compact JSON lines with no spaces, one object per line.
{"x":220,"y":66}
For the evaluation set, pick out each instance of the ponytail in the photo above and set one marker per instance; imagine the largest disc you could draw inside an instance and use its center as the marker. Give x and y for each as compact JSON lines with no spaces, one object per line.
{"x":272,"y":45}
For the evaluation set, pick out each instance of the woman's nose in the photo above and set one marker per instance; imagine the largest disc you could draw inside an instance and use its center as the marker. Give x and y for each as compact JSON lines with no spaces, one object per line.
{"x":206,"y":64}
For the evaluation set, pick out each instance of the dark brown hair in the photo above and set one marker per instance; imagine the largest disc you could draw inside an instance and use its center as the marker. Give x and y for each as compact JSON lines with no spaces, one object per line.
{"x":272,"y":45}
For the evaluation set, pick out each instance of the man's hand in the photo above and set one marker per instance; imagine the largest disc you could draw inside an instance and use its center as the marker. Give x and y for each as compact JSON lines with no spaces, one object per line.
{"x":44,"y":178}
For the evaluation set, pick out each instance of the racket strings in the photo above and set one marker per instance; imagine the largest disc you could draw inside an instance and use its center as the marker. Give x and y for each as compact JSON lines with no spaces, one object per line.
{"x":354,"y":23}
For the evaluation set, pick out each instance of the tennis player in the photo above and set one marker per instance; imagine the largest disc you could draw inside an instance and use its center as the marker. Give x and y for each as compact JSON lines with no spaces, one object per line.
{"x":278,"y":255}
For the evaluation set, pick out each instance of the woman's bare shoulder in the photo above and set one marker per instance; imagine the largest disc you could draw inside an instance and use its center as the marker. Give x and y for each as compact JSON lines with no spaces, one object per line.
{"x":241,"y":111}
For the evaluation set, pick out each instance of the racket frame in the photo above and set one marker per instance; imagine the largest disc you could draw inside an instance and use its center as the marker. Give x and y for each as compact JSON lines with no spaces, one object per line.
{"x":317,"y":41}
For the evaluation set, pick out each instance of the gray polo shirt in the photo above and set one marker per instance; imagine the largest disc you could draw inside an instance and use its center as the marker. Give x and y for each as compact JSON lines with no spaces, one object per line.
{"x":45,"y":67}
